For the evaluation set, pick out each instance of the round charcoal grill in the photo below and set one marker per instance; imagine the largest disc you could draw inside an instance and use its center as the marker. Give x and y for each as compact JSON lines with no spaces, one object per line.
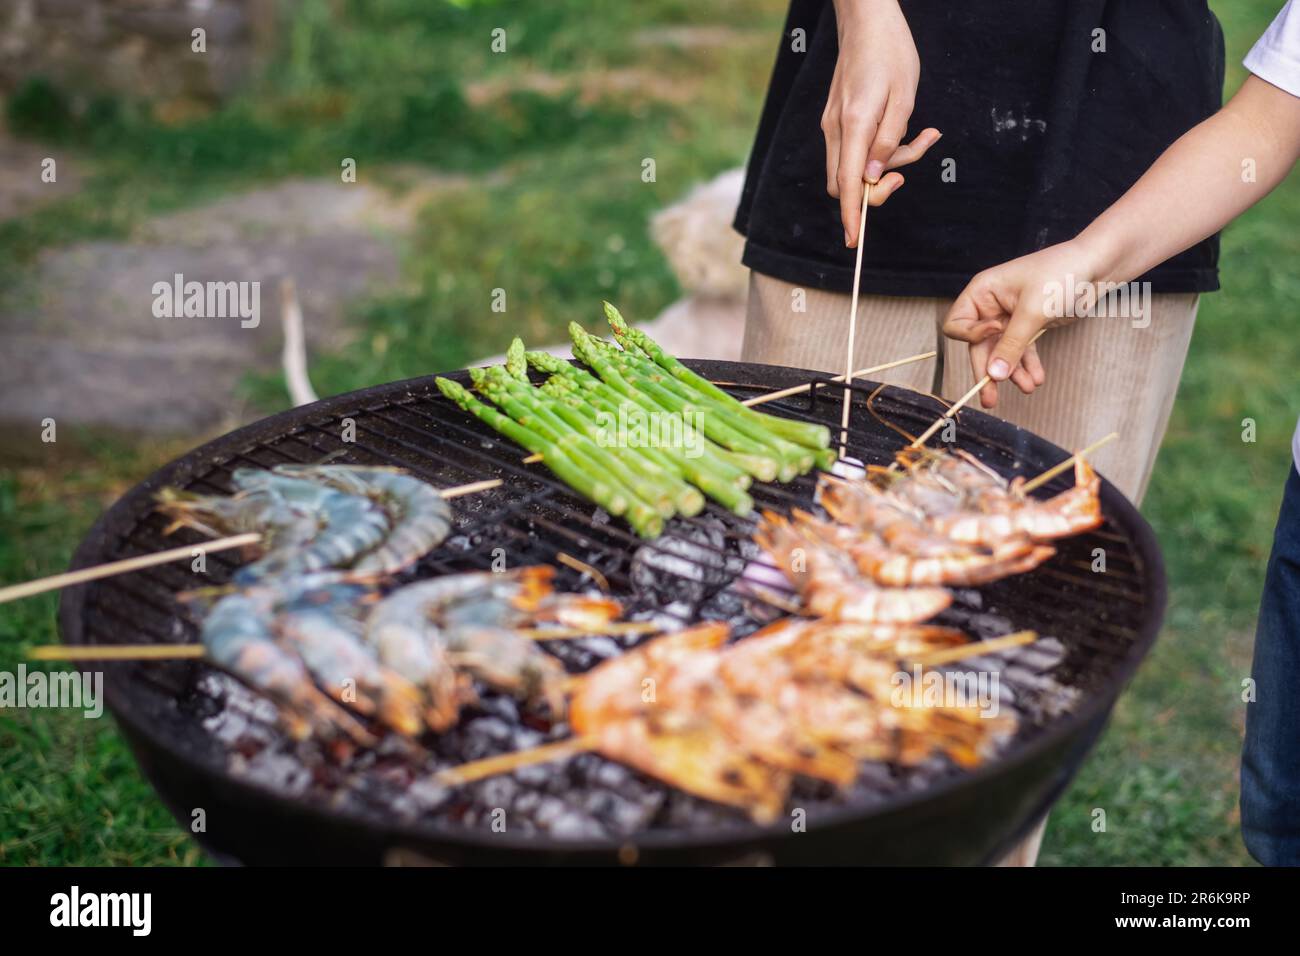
{"x":1105,"y":623}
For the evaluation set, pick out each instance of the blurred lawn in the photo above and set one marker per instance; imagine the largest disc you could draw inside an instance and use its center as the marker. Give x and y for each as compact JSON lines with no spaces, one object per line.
{"x":558,"y":219}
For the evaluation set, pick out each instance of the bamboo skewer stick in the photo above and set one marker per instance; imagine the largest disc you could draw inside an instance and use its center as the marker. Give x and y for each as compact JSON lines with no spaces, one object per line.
{"x":56,"y":581}
{"x":158,"y":652}
{"x":67,"y":579}
{"x":116,"y":652}
{"x":960,"y":403}
{"x":506,"y":763}
{"x":853,"y":324}
{"x":1055,"y":470}
{"x":472,"y":488}
{"x":582,"y":567}
{"x":797,"y":389}
{"x":613,"y":629}
{"x":976,"y":649}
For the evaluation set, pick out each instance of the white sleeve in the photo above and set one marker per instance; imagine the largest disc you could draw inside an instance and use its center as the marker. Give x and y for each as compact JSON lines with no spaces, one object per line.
{"x":1275,"y":58}
{"x":1295,"y":446}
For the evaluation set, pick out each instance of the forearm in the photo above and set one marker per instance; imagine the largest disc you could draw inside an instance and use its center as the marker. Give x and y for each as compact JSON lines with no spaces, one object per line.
{"x":1199,"y":184}
{"x":849,"y":10}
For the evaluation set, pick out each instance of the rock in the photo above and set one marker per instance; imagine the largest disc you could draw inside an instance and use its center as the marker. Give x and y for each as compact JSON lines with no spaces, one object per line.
{"x":84,"y":344}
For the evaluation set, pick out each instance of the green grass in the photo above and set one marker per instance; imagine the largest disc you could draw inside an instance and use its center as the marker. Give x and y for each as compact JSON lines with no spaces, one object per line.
{"x":556,"y":217}
{"x":69,"y":788}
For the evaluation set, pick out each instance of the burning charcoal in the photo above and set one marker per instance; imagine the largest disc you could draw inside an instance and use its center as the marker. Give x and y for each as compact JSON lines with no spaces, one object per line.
{"x":493,"y":728}
{"x":987,"y":626}
{"x":425,"y":796}
{"x":1042,"y":655}
{"x":584,"y":767}
{"x":687,"y":565}
{"x":601,"y":647}
{"x":500,"y":705}
{"x":925,"y":773}
{"x":727,"y":605}
{"x":575,"y":826}
{"x":1027,"y":679}
{"x":498,"y":792}
{"x":876,"y":776}
{"x":574,"y":655}
{"x":611,"y":775}
{"x":628,"y":816}
{"x":536,"y":776}
{"x":548,"y":811}
{"x":527,"y":803}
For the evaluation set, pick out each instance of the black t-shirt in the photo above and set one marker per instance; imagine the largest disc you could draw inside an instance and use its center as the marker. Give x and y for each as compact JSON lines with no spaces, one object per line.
{"x":1043,"y":134}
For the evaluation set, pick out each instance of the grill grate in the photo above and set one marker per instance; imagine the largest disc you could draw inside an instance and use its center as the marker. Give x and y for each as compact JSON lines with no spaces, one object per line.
{"x":1102,"y":620}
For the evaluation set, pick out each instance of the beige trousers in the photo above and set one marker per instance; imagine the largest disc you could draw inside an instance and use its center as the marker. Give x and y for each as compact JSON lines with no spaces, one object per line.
{"x":1103,"y":375}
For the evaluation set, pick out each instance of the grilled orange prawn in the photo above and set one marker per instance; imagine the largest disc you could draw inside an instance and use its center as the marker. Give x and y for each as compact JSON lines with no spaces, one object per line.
{"x":895,"y":547}
{"x":1071,"y":512}
{"x":621,"y":707}
{"x":831,"y":585}
{"x":836,"y":681}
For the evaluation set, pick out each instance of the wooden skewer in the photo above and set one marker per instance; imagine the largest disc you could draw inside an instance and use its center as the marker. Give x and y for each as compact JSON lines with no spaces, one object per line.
{"x":116,"y":652}
{"x":161,"y":652}
{"x":976,"y":649}
{"x":56,"y":581}
{"x":960,"y":403}
{"x":472,"y":488}
{"x":860,"y":373}
{"x":1055,"y":470}
{"x":615,"y":629}
{"x":506,"y":763}
{"x":582,"y":567}
{"x":853,"y":324}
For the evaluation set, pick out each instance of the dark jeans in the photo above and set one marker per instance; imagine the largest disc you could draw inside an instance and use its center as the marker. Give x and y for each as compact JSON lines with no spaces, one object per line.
{"x":1270,"y":760}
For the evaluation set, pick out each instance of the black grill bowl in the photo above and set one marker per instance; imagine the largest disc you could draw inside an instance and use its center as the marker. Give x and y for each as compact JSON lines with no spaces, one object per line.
{"x":1106,"y":621}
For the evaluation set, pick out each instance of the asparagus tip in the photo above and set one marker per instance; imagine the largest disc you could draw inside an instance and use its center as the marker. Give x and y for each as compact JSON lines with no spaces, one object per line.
{"x":616,"y":320}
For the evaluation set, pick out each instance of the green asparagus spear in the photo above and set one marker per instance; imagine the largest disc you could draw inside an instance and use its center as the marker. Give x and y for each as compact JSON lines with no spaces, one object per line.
{"x":637,"y":368}
{"x":696,"y":470}
{"x":687,"y":499}
{"x":635,"y":475}
{"x":568,"y":471}
{"x":802,"y":433}
{"x":706,"y":455}
{"x":756,"y":460}
{"x":516,"y":364}
{"x":642,"y":515}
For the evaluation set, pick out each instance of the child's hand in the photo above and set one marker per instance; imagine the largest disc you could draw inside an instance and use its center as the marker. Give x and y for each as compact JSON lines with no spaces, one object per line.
{"x":1002,"y":309}
{"x":869,"y":104}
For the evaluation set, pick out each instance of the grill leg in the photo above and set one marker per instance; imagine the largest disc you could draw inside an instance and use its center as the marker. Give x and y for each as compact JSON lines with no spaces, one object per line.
{"x":1025,"y":853}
